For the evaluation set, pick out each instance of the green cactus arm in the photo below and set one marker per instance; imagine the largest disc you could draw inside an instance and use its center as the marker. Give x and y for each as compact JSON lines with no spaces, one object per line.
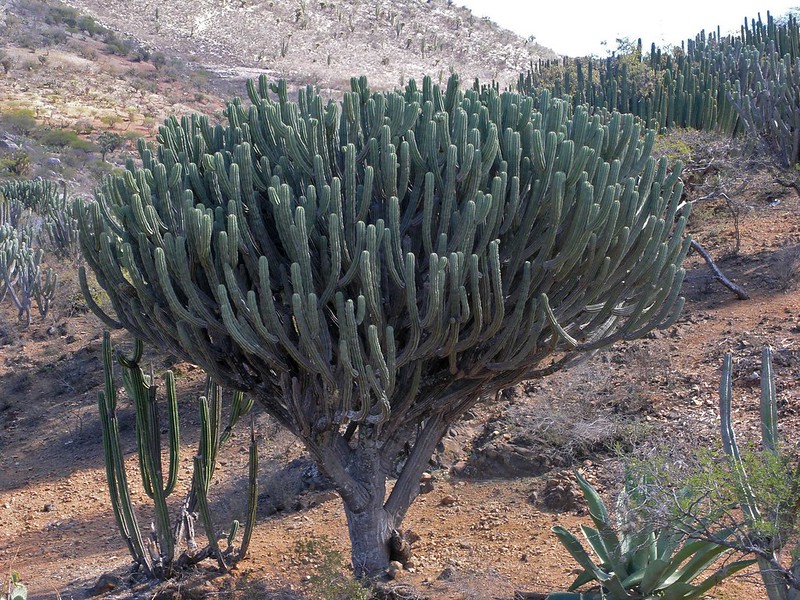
{"x":768,"y":404}
{"x":174,"y":432}
{"x":729,"y":445}
{"x":201,"y":493}
{"x":115,"y":466}
{"x":252,"y":492}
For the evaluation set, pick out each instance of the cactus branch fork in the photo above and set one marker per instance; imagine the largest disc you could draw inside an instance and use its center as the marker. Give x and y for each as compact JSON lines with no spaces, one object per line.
{"x":370,"y":269}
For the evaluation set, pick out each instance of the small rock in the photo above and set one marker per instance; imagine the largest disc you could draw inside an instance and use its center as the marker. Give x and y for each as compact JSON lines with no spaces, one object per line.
{"x":448,"y":500}
{"x":426,"y":483}
{"x":48,"y":507}
{"x":447,"y":574}
{"x":561,"y":493}
{"x":395,"y":570}
{"x":105,"y":583}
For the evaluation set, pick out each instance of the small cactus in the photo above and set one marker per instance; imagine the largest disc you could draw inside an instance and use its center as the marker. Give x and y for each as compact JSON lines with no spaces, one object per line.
{"x":777,"y":584}
{"x":159,"y":554}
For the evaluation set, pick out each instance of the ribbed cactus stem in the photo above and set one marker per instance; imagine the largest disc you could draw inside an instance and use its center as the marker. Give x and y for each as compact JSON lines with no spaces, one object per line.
{"x":775,"y":584}
{"x":159,"y":555}
{"x":252,"y":491}
{"x":201,"y":469}
{"x":115,"y":466}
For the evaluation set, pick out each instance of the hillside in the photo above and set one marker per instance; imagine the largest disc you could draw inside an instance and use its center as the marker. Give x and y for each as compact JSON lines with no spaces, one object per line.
{"x":324,"y":42}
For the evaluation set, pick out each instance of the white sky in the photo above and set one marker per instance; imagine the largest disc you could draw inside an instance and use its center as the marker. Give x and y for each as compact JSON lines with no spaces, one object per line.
{"x":577,"y":27}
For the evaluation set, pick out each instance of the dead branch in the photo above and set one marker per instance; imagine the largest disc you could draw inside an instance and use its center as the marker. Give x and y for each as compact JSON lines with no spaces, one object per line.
{"x":740,"y":293}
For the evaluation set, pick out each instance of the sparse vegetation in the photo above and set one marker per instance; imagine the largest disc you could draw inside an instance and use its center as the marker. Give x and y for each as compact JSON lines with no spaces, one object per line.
{"x":744,"y":498}
{"x":15,"y":164}
{"x":109,"y":141}
{"x":636,"y":561}
{"x":21,"y":120}
{"x":57,"y":115}
{"x":330,"y":576}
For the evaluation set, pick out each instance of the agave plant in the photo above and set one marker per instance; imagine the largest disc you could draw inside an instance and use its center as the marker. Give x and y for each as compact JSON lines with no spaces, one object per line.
{"x":640,"y":562}
{"x":13,"y":589}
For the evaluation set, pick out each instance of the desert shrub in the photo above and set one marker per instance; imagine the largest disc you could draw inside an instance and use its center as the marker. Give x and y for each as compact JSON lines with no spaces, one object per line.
{"x":64,"y":138}
{"x":108,"y":142}
{"x":98,"y":169}
{"x":141,"y":54}
{"x":158,"y":59}
{"x":63,"y":15}
{"x":57,"y":137}
{"x":53,"y":36}
{"x":331,"y":579}
{"x":117,"y":45}
{"x":19,"y":120}
{"x":6,"y":61}
{"x":88,"y":25}
{"x":17,"y":164}
{"x":745,"y":497}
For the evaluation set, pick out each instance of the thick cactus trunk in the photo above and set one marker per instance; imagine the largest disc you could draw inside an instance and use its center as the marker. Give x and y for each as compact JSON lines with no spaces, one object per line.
{"x":369,"y":524}
{"x":360,"y":474}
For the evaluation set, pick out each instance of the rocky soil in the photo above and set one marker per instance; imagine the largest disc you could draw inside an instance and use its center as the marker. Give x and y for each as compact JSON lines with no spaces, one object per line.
{"x":327,"y":42}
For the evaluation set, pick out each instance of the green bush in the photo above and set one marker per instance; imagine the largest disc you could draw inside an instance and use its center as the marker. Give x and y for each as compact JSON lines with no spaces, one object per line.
{"x":108,"y":142}
{"x":117,"y":45}
{"x":17,"y":164}
{"x":63,"y":15}
{"x":65,"y":138}
{"x":331,"y":579}
{"x":19,"y":120}
{"x":90,"y":26}
{"x":57,"y":137}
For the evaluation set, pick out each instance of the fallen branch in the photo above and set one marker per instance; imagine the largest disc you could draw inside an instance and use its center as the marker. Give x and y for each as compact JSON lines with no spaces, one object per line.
{"x":740,"y":293}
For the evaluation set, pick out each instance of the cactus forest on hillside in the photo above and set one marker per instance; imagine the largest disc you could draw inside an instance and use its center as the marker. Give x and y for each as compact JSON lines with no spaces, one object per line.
{"x":748,"y":82}
{"x":34,"y":217}
{"x":370,"y":270}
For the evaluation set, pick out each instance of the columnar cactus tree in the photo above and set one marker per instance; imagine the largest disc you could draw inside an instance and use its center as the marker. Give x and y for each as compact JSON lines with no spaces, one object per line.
{"x":371,"y":269}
